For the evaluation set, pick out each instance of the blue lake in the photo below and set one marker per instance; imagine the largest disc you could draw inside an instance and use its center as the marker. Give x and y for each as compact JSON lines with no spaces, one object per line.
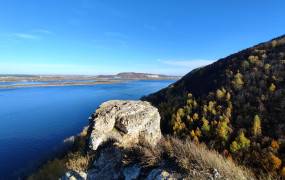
{"x":34,"y":121}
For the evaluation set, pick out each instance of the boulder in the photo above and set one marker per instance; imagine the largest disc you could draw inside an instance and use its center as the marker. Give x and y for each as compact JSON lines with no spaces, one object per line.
{"x":125,"y":122}
{"x":108,"y":165}
{"x":73,"y":175}
{"x":132,"y":172}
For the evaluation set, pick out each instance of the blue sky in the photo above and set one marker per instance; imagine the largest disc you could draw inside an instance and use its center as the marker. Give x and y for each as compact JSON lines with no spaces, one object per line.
{"x":110,"y":36}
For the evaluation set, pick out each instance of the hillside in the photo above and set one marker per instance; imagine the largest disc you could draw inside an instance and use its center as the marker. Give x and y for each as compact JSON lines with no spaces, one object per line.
{"x":235,"y":105}
{"x":134,"y":75}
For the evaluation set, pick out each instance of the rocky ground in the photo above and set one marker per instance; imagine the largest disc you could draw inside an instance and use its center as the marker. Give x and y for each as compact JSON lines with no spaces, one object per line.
{"x":125,"y":141}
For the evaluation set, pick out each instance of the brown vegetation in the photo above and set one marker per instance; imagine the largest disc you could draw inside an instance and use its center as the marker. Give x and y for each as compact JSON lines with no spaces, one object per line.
{"x":76,"y":159}
{"x":195,"y":161}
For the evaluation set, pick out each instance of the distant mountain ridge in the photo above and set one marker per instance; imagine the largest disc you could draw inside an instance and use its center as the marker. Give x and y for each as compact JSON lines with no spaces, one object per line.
{"x":134,"y":75}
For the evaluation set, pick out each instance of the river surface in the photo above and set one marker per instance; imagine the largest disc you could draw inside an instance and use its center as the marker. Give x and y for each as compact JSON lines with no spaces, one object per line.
{"x":34,"y":121}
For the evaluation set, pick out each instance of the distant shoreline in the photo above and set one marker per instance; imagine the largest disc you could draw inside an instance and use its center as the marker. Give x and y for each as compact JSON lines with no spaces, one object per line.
{"x":72,"y":83}
{"x":58,"y":84}
{"x":25,"y":81}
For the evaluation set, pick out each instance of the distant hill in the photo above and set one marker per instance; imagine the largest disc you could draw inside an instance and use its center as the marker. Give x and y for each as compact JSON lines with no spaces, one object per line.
{"x":133,"y":75}
{"x":120,"y":76}
{"x":235,"y":105}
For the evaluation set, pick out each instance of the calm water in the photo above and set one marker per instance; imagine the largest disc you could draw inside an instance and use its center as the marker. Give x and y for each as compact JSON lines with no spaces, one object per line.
{"x":3,"y":83}
{"x":34,"y":121}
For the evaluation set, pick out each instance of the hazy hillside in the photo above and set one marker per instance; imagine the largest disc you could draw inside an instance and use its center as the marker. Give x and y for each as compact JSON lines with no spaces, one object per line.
{"x":235,"y":105}
{"x":134,"y":75}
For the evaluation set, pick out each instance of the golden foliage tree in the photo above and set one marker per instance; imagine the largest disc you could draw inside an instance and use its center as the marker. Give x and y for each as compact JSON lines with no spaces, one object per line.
{"x":205,"y":127}
{"x":220,"y":93}
{"x":240,"y":142}
{"x":256,"y":127}
{"x":238,"y":80}
{"x":223,"y":130}
{"x":272,"y":87}
{"x":178,"y":125}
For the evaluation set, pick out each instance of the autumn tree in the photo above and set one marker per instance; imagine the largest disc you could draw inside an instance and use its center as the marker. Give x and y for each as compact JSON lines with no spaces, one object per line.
{"x":272,"y":87}
{"x":275,"y":162}
{"x":223,"y":130}
{"x":205,"y":127}
{"x":238,"y":80}
{"x":240,"y":142}
{"x":274,"y":145}
{"x":178,"y":125}
{"x":256,"y":127}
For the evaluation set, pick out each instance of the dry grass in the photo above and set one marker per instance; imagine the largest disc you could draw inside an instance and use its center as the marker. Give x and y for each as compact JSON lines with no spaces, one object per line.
{"x":58,"y":167}
{"x":75,"y":159}
{"x":196,"y":161}
{"x":185,"y":157}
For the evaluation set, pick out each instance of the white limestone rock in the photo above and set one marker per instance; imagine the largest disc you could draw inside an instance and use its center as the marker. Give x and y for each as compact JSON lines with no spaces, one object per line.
{"x":126,"y":122}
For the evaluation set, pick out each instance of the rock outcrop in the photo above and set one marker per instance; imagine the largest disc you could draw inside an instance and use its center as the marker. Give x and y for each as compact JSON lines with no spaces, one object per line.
{"x":114,"y":126}
{"x":125,"y":122}
{"x":125,"y":142}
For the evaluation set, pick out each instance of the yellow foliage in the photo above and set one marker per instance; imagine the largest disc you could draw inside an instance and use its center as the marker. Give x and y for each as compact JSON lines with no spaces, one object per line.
{"x":238,"y":80}
{"x":240,"y":142}
{"x":190,"y":95}
{"x":228,"y":96}
{"x":228,"y":112}
{"x":180,"y":112}
{"x":196,"y":140}
{"x":223,"y":130}
{"x":211,"y":105}
{"x":177,"y":125}
{"x":190,"y":119}
{"x":244,"y":142}
{"x":256,"y":127}
{"x":220,"y":94}
{"x":195,"y":116}
{"x":189,"y":102}
{"x":205,"y":126}
{"x":272,"y":87}
{"x":192,"y":133}
{"x":205,"y":108}
{"x":214,"y":112}
{"x":195,"y":104}
{"x":267,"y":66}
{"x":253,"y":59}
{"x":234,"y":147}
{"x":198,"y":132}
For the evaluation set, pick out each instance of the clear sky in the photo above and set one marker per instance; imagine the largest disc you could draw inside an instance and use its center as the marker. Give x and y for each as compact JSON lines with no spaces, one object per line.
{"x":110,"y":36}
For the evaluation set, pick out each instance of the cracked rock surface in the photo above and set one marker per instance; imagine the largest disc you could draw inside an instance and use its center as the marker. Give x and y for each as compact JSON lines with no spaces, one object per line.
{"x":126,"y":122}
